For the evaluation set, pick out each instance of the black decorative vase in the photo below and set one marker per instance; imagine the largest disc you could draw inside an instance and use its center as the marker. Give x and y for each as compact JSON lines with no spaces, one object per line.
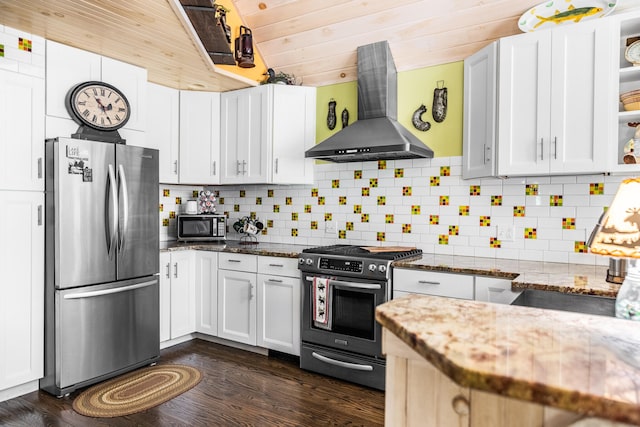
{"x":331,"y":117}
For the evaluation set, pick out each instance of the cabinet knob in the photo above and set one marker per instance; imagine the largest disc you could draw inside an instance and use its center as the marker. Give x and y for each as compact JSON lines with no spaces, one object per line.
{"x":460,"y":405}
{"x":175,"y":167}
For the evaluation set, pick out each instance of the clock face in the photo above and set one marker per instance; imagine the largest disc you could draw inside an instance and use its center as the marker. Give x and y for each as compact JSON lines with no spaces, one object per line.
{"x":98,"y":105}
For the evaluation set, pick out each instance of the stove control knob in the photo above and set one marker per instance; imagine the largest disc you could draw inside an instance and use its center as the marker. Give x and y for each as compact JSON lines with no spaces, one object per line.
{"x":301,"y":261}
{"x":372,"y":267}
{"x":382,"y":268}
{"x":309,"y":261}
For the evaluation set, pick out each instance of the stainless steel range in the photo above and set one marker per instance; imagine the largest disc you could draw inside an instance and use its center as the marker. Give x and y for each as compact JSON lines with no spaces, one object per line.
{"x":341,"y":287}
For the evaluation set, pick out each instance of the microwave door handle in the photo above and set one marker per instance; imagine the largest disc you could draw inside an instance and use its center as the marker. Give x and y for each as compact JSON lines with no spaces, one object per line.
{"x":125,"y":207}
{"x":111,"y":217}
{"x":352,"y":285}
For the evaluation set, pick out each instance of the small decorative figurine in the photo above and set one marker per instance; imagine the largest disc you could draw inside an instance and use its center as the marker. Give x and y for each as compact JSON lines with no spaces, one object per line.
{"x":331,"y":116}
{"x":417,"y":121}
{"x":345,"y":118}
{"x":439,"y":108}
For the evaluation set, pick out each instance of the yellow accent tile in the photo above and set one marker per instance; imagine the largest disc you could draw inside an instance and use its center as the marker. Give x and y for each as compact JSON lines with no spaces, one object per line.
{"x":444,"y":200}
{"x":398,"y":173}
{"x":415,"y":210}
{"x":445,"y":170}
{"x":443,"y":239}
{"x":381,"y":236}
{"x":406,"y":228}
{"x":463,"y":210}
{"x":388,"y":219}
{"x":406,"y":191}
{"x":454,"y":230}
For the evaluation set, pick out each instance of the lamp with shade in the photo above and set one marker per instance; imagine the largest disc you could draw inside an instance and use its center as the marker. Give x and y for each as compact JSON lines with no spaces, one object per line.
{"x":617,"y":235}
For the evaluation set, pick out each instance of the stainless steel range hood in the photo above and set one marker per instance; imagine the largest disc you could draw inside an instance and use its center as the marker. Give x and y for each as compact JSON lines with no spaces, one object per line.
{"x":376,"y":135}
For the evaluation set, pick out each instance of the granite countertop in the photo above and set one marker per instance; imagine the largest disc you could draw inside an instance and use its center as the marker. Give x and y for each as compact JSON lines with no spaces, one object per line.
{"x":262,"y":248}
{"x":582,"y":363}
{"x":549,"y":276}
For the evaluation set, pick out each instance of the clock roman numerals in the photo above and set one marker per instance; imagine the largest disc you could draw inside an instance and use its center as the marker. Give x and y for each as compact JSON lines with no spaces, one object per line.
{"x":99,"y":106}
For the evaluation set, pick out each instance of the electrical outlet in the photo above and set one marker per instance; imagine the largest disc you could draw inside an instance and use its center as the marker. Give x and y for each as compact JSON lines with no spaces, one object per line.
{"x":330,"y":227}
{"x":506,"y":233}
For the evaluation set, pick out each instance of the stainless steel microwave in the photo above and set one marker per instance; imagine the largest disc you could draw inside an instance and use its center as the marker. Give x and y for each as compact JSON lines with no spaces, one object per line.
{"x":202,"y":227}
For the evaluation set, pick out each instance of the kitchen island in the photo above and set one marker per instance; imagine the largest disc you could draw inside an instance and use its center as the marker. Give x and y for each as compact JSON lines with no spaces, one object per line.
{"x":474,"y":363}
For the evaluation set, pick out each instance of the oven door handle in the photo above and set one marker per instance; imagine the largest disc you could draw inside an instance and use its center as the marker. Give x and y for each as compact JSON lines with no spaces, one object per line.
{"x":352,"y":285}
{"x":340,"y":363}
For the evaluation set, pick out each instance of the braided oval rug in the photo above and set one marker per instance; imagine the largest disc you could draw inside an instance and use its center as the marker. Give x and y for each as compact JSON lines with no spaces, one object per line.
{"x":136,"y":391}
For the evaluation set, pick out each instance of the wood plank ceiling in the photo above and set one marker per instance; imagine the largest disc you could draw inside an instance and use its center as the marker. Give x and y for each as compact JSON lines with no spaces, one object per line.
{"x":314,"y":40}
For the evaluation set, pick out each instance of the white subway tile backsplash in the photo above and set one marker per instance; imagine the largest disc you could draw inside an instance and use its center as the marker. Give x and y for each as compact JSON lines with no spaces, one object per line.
{"x":425,"y":203}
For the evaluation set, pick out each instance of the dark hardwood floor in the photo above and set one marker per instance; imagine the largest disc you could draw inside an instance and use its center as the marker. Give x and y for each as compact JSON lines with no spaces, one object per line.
{"x":238,"y":388}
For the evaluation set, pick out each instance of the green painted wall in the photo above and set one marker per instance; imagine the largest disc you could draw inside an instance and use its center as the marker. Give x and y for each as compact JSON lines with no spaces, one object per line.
{"x":415,"y":87}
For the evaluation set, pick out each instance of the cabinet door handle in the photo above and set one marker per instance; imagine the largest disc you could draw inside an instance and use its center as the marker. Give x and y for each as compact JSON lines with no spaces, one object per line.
{"x":251,"y":291}
{"x":175,"y":167}
{"x":276,"y":165}
{"x":238,"y":167}
{"x":39,"y":214}
{"x":428,"y":282}
{"x":555,"y":147}
{"x":487,"y":153}
{"x":214,"y":168}
{"x":234,"y":260}
{"x":39,"y":167}
{"x":276,"y":265}
{"x":175,"y":270}
{"x":496,"y":290}
{"x":244,"y":167}
{"x":541,"y":148}
{"x":274,"y":280}
{"x":168,"y":270}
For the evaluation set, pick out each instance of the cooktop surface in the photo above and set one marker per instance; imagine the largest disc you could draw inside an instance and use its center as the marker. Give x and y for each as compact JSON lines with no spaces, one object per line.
{"x":378,"y":252}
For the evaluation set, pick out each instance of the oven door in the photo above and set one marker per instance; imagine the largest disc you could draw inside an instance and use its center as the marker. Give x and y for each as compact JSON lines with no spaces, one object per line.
{"x":353,"y":326}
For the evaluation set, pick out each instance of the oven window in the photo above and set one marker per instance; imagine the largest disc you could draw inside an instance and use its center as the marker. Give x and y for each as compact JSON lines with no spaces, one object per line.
{"x":353,"y":313}
{"x":196,"y":227}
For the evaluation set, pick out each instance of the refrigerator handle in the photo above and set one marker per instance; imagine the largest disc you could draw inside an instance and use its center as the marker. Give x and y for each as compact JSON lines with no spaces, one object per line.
{"x":112,"y":218}
{"x":122,"y":182}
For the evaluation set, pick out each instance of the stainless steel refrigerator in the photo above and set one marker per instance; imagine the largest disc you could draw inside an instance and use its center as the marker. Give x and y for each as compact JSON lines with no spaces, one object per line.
{"x":101,"y":287}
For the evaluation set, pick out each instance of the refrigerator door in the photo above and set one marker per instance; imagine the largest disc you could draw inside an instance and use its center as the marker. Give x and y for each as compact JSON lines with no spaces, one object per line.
{"x":104,"y":330}
{"x":138,"y":235}
{"x":84,"y":211}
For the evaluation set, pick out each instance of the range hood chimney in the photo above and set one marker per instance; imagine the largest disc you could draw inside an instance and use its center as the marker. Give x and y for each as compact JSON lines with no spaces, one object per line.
{"x":376,"y":135}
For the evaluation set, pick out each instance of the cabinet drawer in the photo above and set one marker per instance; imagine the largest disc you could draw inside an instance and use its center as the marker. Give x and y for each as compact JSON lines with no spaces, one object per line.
{"x":278,"y":266}
{"x":238,"y":262}
{"x":492,"y":289}
{"x":431,"y":283}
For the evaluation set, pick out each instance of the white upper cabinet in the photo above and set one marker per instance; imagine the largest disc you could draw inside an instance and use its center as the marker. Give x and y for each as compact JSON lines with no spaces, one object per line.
{"x":627,"y":78}
{"x":67,"y":66}
{"x":293,"y":118}
{"x":21,"y":132}
{"x":163,"y":123}
{"x":265,"y":131}
{"x":553,"y":100}
{"x":199,"y":138}
{"x":479,"y":118}
{"x":132,"y":81}
{"x":243,"y":136}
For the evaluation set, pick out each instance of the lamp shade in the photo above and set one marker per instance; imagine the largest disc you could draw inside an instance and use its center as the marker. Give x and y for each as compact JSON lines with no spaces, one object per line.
{"x":617,"y":234}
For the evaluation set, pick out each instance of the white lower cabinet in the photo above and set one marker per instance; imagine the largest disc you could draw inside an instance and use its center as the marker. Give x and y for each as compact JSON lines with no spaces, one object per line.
{"x":177,"y":294}
{"x":279,"y":304}
{"x":493,"y":289}
{"x":408,"y":281}
{"x":206,"y":277}
{"x":22,"y":288}
{"x":453,"y":285}
{"x":237,"y":297}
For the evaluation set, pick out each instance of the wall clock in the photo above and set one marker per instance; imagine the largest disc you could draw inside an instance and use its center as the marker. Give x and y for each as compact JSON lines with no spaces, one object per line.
{"x":100,"y":109}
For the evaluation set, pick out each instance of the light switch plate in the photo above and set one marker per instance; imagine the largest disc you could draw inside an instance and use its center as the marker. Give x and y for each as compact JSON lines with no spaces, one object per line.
{"x":330,"y":227}
{"x":506,"y":233}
